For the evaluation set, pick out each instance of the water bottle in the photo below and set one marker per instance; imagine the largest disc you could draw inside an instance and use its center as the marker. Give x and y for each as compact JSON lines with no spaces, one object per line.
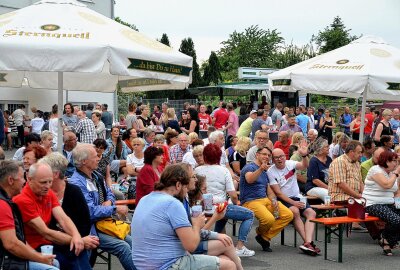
{"x":276,"y":208}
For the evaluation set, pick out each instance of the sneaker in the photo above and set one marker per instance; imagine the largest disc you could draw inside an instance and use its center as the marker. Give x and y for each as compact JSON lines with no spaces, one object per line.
{"x":245,"y":252}
{"x":315,"y":247}
{"x":264,"y":243}
{"x":308,"y":249}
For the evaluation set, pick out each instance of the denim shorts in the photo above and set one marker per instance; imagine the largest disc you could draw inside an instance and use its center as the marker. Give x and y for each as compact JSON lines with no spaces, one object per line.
{"x":288,"y":205}
{"x":202,"y":248}
{"x":196,"y":262}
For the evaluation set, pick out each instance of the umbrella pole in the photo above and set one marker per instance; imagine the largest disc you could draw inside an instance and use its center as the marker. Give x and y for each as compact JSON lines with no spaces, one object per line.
{"x":363,"y":104}
{"x":60,"y":111}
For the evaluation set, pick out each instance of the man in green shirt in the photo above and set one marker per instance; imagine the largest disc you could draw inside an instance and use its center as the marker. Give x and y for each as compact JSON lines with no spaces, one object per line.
{"x":366,"y":165}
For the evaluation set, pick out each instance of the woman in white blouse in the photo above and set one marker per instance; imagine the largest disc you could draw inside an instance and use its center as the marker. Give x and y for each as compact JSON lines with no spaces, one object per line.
{"x":381,"y":189}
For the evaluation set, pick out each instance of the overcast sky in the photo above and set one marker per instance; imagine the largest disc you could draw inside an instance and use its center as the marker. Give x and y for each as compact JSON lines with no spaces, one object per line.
{"x":209,"y":22}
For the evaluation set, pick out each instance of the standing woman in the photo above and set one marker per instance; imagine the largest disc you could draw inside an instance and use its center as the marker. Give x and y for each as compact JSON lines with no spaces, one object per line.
{"x":355,"y":126}
{"x":131,"y":119}
{"x":327,"y":124}
{"x":119,"y":152}
{"x":383,"y":127}
{"x":193,"y":117}
{"x":171,"y":120}
{"x":380,"y":190}
{"x":184,"y":123}
{"x":143,"y":119}
{"x":99,"y":125}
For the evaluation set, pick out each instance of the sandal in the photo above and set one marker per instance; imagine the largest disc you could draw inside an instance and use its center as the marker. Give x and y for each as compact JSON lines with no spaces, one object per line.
{"x":386,"y":247}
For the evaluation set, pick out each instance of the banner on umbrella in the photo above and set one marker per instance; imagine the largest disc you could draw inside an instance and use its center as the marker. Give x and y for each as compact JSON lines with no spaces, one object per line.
{"x":159,"y":67}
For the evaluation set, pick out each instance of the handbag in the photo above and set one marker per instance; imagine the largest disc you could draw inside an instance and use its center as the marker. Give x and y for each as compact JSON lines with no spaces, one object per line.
{"x":356,"y":208}
{"x":113,"y":227}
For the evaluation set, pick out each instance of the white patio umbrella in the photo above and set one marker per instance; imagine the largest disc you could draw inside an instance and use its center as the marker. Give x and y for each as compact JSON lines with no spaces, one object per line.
{"x":63,"y":45}
{"x":367,"y":66}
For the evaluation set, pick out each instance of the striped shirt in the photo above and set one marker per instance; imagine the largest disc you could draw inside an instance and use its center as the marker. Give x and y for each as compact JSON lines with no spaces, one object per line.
{"x":343,"y":170}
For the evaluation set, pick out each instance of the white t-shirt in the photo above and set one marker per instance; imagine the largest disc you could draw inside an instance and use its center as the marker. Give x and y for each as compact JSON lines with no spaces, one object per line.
{"x":219,"y":181}
{"x":133,"y":160}
{"x":268,"y":122}
{"x":37,"y":124}
{"x":189,"y":159}
{"x":374,"y":193}
{"x":53,"y":128}
{"x":286,"y":178}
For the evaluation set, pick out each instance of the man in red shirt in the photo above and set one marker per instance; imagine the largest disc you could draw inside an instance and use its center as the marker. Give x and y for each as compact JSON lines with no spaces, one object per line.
{"x":205,"y":119}
{"x":368,"y":126}
{"x":12,"y":238}
{"x":221,"y":117}
{"x":38,"y":205}
{"x":283,"y":142}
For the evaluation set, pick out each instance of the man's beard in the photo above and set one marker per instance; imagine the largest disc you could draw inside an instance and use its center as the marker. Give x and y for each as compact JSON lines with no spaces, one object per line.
{"x":180,"y":196}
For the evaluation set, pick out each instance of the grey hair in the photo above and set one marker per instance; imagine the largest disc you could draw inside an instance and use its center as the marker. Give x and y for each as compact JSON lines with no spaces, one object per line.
{"x":8,"y":168}
{"x":352,"y":146}
{"x":159,"y":137}
{"x":314,"y":131}
{"x":147,"y":132}
{"x":35,"y":167}
{"x":45,"y":134}
{"x":81,"y":153}
{"x":57,"y":162}
{"x":198,"y":149}
{"x":212,"y":138}
{"x":319,"y":144}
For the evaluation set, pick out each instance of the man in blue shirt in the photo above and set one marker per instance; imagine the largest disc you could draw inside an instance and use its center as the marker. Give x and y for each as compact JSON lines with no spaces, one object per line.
{"x":303,"y":121}
{"x":161,"y":231}
{"x":395,"y":123}
{"x":256,"y":195}
{"x":345,"y":120}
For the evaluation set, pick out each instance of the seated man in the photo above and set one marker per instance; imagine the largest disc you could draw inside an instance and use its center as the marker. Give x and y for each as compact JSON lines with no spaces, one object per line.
{"x":162,"y":233}
{"x":12,"y":238}
{"x":100,"y":200}
{"x":38,"y":205}
{"x":283,"y":182}
{"x":256,"y":195}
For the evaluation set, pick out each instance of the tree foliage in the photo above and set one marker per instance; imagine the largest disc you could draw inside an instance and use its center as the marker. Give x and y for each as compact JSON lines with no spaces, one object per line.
{"x":292,"y":54}
{"x":165,"y":40}
{"x":118,"y":19}
{"x":212,"y":70}
{"x":254,"y":47}
{"x":187,"y":47}
{"x":334,"y":36}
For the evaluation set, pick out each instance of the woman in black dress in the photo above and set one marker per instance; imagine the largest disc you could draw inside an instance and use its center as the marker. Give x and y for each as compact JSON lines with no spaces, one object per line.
{"x":384,"y":127}
{"x":327,"y":124}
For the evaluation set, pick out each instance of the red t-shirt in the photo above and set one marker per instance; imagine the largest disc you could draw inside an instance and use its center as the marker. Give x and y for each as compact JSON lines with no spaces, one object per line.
{"x":145,"y":181}
{"x":205,"y":121}
{"x":285,"y":149}
{"x":31,"y":207}
{"x":221,"y":117}
{"x":6,"y":217}
{"x":368,"y":126}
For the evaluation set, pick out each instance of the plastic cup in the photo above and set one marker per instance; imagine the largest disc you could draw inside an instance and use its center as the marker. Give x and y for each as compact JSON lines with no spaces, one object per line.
{"x":196,"y":210}
{"x":208,"y":201}
{"x":304,"y":200}
{"x":47,"y":249}
{"x":115,"y":187}
{"x":397,"y":203}
{"x":327,"y":200}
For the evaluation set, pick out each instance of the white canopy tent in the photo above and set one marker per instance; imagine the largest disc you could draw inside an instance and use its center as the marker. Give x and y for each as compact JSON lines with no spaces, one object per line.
{"x":63,"y":45}
{"x":367,"y":66}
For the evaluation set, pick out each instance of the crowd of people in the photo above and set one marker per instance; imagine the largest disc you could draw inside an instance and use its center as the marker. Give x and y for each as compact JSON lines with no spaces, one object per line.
{"x":167,"y":161}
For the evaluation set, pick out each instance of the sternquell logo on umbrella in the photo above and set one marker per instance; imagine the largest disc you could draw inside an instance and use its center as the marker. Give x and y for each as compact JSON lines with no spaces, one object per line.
{"x":342,"y":62}
{"x":50,"y":27}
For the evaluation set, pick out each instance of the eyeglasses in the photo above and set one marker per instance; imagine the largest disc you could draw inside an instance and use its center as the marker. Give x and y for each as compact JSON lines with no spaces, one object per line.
{"x":136,"y":144}
{"x":262,"y":138}
{"x":279,"y":157}
{"x":264,"y":154}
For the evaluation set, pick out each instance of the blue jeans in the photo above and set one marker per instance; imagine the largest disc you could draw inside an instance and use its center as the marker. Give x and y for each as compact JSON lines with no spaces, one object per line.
{"x":120,"y":248}
{"x":42,"y":266}
{"x":236,"y":212}
{"x":68,"y":259}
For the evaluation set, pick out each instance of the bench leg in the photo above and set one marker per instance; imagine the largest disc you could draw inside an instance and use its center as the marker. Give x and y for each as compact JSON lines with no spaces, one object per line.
{"x":326,"y":243}
{"x":283,"y":237}
{"x":340,"y":251}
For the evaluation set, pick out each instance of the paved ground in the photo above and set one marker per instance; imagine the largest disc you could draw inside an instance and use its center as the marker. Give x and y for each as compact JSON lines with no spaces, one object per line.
{"x":360,"y":252}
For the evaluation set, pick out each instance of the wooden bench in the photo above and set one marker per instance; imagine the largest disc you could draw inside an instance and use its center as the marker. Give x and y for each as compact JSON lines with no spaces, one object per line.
{"x":334,"y":225}
{"x":125,"y":202}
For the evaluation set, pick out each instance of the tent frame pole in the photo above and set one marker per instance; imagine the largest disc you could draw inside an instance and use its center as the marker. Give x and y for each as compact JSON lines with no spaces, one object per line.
{"x":60,"y":111}
{"x":363,"y":105}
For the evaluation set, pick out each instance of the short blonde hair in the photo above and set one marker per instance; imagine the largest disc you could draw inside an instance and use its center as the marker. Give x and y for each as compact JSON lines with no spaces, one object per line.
{"x":297,"y":137}
{"x":337,"y":137}
{"x":193,"y":136}
{"x":386,"y":112}
{"x":138,"y":141}
{"x":243,"y":145}
{"x":171,"y":113}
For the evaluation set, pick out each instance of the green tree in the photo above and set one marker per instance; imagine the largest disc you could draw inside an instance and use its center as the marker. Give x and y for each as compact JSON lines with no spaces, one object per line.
{"x":118,"y":19}
{"x":292,"y":54}
{"x":255,"y":47}
{"x":187,"y":47}
{"x":334,"y":36}
{"x":165,"y":40}
{"x":212,"y":70}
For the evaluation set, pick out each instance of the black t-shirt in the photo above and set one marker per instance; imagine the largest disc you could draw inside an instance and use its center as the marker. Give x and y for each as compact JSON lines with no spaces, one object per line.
{"x":317,"y":170}
{"x":237,"y":157}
